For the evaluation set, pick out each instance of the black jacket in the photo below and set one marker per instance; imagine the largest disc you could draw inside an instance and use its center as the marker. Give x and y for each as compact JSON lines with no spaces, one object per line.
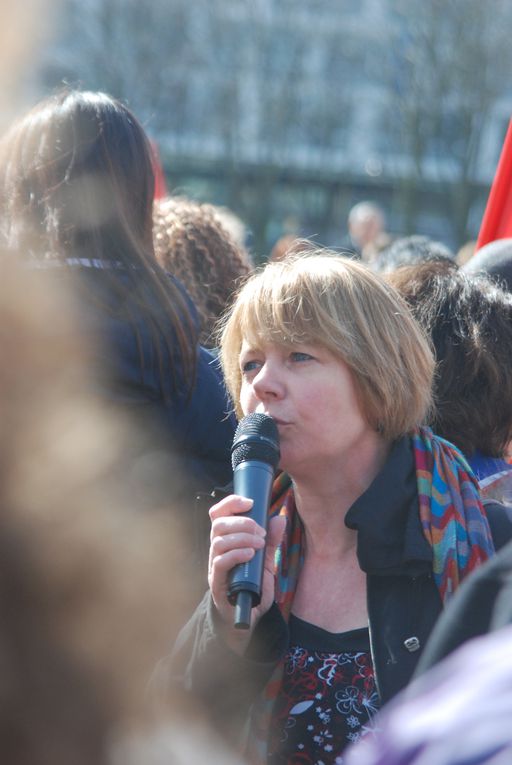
{"x":403,"y":604}
{"x":482,"y":604}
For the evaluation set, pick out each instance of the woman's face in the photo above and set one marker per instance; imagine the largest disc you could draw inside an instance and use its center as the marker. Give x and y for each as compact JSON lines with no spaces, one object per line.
{"x":311,"y":395}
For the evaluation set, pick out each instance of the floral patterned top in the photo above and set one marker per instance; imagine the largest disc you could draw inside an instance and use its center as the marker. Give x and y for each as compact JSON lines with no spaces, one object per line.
{"x":327,"y":699}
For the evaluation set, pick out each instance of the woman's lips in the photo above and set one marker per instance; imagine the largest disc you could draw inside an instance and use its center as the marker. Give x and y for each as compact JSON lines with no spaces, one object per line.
{"x":279,"y":421}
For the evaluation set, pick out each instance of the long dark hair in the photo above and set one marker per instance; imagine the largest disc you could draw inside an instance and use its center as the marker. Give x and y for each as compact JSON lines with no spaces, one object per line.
{"x":77,"y":181}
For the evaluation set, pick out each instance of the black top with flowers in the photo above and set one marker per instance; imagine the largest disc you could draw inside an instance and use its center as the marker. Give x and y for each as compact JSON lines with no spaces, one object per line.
{"x":327,"y":698}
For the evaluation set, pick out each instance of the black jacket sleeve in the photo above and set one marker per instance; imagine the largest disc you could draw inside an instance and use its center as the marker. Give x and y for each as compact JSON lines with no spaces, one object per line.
{"x":226,"y":684}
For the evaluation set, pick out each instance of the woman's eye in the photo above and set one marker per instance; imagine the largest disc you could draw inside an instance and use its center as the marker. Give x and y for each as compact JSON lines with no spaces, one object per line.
{"x":300,"y":356}
{"x":249,"y":366}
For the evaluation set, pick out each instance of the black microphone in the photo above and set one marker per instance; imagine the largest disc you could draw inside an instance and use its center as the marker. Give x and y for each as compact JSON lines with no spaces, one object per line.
{"x":254,"y":456}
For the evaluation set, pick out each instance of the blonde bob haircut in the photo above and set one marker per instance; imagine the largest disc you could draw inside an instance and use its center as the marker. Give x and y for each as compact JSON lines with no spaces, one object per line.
{"x":339,"y":304}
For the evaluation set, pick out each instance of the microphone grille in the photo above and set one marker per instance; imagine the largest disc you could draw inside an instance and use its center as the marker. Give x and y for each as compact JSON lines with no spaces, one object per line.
{"x":256,"y":438}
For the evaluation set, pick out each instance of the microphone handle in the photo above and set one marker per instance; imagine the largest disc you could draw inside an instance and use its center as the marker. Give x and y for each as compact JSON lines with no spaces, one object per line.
{"x":253,"y":479}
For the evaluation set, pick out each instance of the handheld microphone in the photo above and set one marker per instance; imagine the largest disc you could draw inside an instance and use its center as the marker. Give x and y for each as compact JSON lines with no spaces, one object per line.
{"x":254,"y":457}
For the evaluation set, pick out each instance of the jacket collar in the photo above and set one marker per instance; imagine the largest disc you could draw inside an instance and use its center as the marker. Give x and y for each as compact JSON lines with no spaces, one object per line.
{"x":390,"y":539}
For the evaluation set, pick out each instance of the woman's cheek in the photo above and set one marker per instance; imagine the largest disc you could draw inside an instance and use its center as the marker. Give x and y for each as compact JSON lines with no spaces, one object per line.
{"x":247,"y":404}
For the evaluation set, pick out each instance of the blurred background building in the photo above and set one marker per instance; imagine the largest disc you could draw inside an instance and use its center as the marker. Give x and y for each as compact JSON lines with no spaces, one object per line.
{"x":290,"y":111}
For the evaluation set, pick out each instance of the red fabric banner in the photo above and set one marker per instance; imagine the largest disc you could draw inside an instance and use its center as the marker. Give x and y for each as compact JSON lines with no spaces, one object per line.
{"x":497,"y":219}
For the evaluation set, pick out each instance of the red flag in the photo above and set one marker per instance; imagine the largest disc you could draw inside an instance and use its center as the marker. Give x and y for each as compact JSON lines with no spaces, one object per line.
{"x":160,"y":187}
{"x":497,"y":220}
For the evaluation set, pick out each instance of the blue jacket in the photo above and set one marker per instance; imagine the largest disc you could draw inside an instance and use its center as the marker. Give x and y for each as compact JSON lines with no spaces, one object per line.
{"x":189,"y":436}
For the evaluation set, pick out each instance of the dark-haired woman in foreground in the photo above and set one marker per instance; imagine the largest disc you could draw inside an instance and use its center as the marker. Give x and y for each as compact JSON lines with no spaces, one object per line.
{"x":76,"y":198}
{"x":374,"y":520}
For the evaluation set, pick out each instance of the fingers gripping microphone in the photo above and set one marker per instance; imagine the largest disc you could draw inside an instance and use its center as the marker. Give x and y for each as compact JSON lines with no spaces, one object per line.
{"x":254,"y":456}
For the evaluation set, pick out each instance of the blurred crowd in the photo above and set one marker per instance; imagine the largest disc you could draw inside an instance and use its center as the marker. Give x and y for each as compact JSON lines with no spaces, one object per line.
{"x":137,"y":332}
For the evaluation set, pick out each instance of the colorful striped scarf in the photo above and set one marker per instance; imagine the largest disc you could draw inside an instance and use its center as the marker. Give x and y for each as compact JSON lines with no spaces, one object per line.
{"x":453,"y":521}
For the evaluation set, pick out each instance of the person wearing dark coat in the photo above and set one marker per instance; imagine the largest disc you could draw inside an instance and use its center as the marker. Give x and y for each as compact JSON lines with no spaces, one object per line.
{"x":374,"y":520}
{"x":76,"y":198}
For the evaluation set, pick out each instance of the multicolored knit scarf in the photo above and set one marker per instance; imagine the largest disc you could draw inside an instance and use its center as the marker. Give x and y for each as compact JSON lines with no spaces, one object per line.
{"x":451,"y":512}
{"x":453,"y":521}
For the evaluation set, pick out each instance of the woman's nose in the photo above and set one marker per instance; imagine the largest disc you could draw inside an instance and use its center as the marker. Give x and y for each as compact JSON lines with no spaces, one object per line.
{"x":267,"y":383}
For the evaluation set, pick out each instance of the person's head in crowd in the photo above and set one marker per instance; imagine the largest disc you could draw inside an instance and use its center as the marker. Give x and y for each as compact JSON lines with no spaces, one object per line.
{"x":321,"y":299}
{"x":89,"y":595}
{"x":77,"y":178}
{"x":495,"y":260}
{"x":77,"y":184}
{"x":409,"y":250}
{"x":76,"y":200}
{"x":192,"y":244}
{"x":367,"y":229}
{"x":469,"y":320}
{"x":290,"y":245}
